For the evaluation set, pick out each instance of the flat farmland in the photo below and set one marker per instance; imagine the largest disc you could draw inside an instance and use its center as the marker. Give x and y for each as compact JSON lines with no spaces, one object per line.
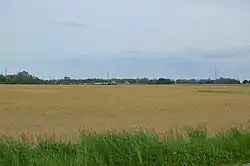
{"x":63,"y":110}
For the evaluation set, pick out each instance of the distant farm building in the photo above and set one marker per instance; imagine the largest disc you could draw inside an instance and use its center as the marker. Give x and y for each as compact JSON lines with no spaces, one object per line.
{"x":100,"y":83}
{"x":113,"y":83}
{"x":126,"y":82}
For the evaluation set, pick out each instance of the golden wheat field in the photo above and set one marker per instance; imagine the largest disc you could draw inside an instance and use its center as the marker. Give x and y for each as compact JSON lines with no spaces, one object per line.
{"x":63,"y":110}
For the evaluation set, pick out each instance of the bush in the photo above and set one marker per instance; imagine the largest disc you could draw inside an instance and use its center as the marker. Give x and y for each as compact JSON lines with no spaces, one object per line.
{"x":138,"y":148}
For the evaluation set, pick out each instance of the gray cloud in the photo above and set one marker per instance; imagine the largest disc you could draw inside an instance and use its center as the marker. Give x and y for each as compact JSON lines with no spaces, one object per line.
{"x":74,"y":24}
{"x":194,"y":54}
{"x":192,"y":63}
{"x":155,"y":38}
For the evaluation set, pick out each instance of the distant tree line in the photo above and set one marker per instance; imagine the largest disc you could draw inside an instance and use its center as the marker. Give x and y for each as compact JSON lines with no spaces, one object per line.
{"x":26,"y":78}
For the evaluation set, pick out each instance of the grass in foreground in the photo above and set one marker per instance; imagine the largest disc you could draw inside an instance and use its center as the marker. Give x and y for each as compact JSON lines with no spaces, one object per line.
{"x":138,"y":148}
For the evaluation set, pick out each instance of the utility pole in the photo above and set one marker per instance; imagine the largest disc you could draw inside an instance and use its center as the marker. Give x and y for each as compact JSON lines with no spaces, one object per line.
{"x":5,"y":71}
{"x":108,"y":75}
{"x":215,"y":73}
{"x":108,"y":81}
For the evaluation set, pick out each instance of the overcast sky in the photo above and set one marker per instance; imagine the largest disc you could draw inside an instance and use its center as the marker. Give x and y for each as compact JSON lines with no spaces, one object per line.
{"x":130,"y":38}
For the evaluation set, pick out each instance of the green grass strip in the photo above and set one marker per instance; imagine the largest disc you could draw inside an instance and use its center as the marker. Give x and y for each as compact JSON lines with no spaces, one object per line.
{"x":138,"y":148}
{"x":225,"y":91}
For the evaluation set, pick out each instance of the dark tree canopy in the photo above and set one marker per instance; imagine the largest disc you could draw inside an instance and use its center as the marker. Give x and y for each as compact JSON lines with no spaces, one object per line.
{"x":24,"y":77}
{"x":245,"y":82}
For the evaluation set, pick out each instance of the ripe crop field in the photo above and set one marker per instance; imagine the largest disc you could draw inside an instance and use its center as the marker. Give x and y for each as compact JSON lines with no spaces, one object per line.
{"x":63,"y":110}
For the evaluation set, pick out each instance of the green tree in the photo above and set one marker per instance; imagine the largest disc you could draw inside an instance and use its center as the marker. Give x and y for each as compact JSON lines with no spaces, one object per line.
{"x":24,"y":77}
{"x":2,"y":79}
{"x":226,"y":81}
{"x":165,"y":81}
{"x":143,"y":81}
{"x":66,"y":80}
{"x":245,"y":82}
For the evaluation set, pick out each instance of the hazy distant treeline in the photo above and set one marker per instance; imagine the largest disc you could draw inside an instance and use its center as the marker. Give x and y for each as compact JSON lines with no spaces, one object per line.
{"x":26,"y":78}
